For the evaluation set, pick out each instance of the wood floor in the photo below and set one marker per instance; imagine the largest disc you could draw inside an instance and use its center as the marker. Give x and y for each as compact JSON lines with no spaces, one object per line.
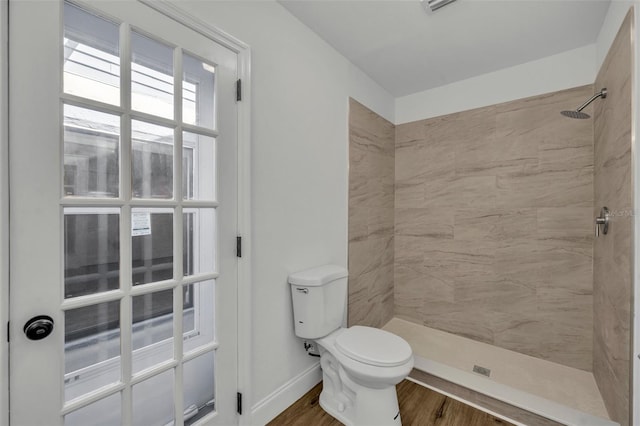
{"x":419,"y":406}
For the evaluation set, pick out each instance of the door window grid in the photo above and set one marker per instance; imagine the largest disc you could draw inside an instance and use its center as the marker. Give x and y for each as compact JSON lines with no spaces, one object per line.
{"x":182,"y":287}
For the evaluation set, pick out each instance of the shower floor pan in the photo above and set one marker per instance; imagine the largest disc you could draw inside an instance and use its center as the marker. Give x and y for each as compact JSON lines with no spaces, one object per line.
{"x":561,"y":394}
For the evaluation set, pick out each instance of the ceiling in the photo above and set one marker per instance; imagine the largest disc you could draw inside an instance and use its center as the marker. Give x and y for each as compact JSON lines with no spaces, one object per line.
{"x":407,"y":50}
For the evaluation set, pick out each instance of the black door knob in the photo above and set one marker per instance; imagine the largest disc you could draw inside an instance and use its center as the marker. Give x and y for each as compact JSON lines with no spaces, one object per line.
{"x":39,"y":327}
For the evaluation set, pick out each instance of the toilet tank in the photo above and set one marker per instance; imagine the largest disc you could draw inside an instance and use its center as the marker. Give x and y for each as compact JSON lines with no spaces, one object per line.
{"x":319,"y":299}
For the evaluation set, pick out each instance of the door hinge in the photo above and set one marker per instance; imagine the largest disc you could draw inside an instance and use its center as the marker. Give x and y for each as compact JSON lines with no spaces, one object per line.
{"x":8,"y":331}
{"x":239,"y":90}
{"x":239,"y":403}
{"x":238,"y":246}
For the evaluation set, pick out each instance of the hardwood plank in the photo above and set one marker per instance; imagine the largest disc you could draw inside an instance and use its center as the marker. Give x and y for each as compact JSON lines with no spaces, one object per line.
{"x":495,"y":405}
{"x":418,"y":406}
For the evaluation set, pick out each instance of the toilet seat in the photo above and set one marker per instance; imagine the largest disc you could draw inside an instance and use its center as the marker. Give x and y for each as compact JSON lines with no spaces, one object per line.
{"x":373,"y":346}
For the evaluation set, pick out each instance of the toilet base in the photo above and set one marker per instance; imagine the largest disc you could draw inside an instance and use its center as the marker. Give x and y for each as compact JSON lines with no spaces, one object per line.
{"x":354,"y":404}
{"x":373,"y":407}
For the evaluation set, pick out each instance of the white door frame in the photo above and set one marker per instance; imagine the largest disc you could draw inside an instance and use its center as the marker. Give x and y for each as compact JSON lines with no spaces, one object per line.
{"x":244,"y":180}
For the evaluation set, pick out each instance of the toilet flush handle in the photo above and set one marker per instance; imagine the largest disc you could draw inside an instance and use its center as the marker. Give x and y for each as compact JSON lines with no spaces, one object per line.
{"x":302,"y":290}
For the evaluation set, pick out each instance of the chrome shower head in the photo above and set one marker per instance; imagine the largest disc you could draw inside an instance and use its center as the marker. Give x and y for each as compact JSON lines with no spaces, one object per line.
{"x":575,"y":114}
{"x":578,"y":112}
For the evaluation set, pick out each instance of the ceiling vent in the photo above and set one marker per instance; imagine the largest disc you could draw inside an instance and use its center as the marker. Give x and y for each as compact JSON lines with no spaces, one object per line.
{"x":433,"y":5}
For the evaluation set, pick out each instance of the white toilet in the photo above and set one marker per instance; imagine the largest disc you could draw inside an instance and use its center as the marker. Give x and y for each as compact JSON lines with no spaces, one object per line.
{"x":360,"y":365}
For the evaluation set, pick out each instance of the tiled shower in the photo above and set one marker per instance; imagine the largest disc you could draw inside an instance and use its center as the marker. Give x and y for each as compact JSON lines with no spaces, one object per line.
{"x":481,"y":224}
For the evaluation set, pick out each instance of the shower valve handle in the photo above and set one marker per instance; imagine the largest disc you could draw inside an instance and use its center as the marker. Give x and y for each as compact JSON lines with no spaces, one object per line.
{"x":603,"y":221}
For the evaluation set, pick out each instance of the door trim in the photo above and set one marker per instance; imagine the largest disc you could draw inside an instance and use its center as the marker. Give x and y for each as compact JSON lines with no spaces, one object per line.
{"x":244,"y":194}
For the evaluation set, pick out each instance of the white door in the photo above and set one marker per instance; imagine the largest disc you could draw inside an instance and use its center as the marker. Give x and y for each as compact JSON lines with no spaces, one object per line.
{"x":123,"y":211}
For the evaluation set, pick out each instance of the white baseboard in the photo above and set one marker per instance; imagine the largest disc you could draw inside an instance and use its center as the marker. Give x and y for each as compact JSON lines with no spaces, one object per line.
{"x":279,"y":400}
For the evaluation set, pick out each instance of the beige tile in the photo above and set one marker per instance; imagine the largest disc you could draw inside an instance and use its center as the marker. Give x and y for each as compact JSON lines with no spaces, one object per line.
{"x":409,"y":133}
{"x":358,"y":223}
{"x":424,"y":160}
{"x":612,"y":252}
{"x":380,"y":221}
{"x":568,"y":188}
{"x":519,"y":261}
{"x":520,"y":194}
{"x":409,"y":195}
{"x":376,"y":294}
{"x":472,"y":323}
{"x":461,"y":126}
{"x":494,"y":224}
{"x":489,"y":155}
{"x":567,"y":265}
{"x":561,"y":344}
{"x":450,"y":191}
{"x":410,"y":249}
{"x":424,"y":222}
{"x":566,"y":223}
{"x":371,"y":216}
{"x":565,"y":143}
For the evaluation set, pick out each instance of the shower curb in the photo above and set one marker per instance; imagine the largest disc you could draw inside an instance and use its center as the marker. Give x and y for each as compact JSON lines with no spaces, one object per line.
{"x":499,"y":398}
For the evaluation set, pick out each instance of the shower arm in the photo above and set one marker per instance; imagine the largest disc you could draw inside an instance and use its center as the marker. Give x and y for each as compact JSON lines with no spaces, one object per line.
{"x":603,"y":94}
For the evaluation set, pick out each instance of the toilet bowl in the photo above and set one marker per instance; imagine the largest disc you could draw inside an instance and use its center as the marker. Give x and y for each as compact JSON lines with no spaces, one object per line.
{"x":360,"y":369}
{"x":360,"y":365}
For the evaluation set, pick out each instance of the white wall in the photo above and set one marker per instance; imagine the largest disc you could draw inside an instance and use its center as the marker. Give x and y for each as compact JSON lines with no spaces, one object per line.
{"x":300,"y":89}
{"x":615,"y":15}
{"x":568,"y":69}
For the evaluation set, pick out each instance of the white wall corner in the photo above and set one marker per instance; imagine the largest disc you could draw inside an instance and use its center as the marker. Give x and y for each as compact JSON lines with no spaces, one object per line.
{"x":279,"y":400}
{"x":615,"y":15}
{"x":365,"y":90}
{"x":565,"y":70}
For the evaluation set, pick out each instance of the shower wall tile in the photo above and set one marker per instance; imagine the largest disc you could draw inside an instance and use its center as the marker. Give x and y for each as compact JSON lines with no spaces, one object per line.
{"x":493,"y":226}
{"x":424,"y":222}
{"x":565,"y":223}
{"x":613,"y":252}
{"x":371,"y":213}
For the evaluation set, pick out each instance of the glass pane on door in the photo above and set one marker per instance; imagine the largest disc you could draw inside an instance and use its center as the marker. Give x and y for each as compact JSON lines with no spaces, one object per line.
{"x":198,"y":317}
{"x":152,"y":330}
{"x":151,"y":76}
{"x":152,"y":160}
{"x":92,"y":348}
{"x":91,"y":56}
{"x":91,"y":153}
{"x":151,"y":245}
{"x":199,"y":237}
{"x":104,"y":412}
{"x":198,"y":84}
{"x":198,"y":382}
{"x":91,"y":251}
{"x":198,"y":167}
{"x":153,"y":400}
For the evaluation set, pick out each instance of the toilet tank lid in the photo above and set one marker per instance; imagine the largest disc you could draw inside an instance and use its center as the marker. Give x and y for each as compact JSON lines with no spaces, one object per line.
{"x":318,"y":276}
